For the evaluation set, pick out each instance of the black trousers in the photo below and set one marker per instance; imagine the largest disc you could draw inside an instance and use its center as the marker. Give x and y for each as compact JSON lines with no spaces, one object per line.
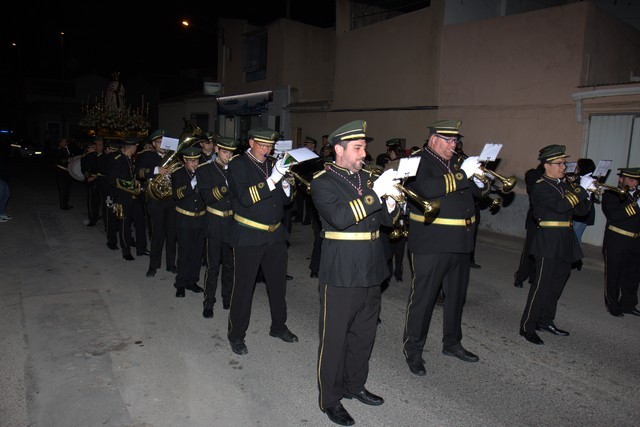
{"x":63,"y":181}
{"x":246,"y":262}
{"x":132,"y":215}
{"x":431,"y":271}
{"x":219,"y":256}
{"x":398,"y":247}
{"x":140,"y":224}
{"x":348,"y":325}
{"x":622,"y":276}
{"x":551,"y":275}
{"x":163,"y":231}
{"x":94,"y":200}
{"x":111,"y":226}
{"x":190,"y":247}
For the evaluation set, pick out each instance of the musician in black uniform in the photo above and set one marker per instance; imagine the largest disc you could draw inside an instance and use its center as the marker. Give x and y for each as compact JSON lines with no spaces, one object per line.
{"x":526,"y":267}
{"x":162,"y":211}
{"x":621,"y":246}
{"x":89,"y":167}
{"x":207,"y":145}
{"x":109,"y":219}
{"x":259,"y":239}
{"x":352,"y":268}
{"x":214,"y":189}
{"x":190,"y":222}
{"x":440,"y":246}
{"x":554,"y":246}
{"x":125,"y":188}
{"x":61,"y":158}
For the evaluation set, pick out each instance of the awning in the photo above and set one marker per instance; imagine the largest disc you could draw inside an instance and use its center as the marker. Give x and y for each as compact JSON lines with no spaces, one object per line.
{"x":251,"y":103}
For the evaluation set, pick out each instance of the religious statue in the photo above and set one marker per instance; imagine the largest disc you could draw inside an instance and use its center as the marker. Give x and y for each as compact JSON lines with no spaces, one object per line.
{"x":115,"y":93}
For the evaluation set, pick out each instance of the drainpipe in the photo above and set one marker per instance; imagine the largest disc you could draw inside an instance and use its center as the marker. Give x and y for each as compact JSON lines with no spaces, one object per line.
{"x":600,"y":93}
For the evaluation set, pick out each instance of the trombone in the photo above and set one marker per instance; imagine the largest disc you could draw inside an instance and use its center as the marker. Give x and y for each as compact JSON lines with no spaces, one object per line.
{"x":508,"y":184}
{"x":303,"y":181}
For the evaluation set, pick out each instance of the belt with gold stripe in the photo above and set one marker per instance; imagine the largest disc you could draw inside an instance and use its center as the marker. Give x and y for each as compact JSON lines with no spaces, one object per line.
{"x":623,"y":232}
{"x":551,"y":224}
{"x":465,"y":222}
{"x":344,"y":235}
{"x":189,"y":213}
{"x":265,"y":227}
{"x":222,"y":214}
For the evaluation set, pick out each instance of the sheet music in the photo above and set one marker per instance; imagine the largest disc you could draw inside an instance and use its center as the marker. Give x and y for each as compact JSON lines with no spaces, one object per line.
{"x":490,"y":152}
{"x":603,"y":168}
{"x":571,"y":167}
{"x":299,"y":155}
{"x":169,"y":143}
{"x":407,"y":167}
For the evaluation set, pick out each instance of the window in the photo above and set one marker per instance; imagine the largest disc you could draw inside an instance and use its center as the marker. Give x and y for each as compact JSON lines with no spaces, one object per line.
{"x":255,"y":56}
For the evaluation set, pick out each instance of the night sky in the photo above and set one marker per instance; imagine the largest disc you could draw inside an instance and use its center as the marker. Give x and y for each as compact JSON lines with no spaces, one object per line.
{"x":101,"y":37}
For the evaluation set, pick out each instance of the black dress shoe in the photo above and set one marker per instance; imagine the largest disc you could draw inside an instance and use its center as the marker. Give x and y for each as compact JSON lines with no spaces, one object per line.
{"x":207,"y":313}
{"x":128,"y":257}
{"x":416,"y":366}
{"x":180,"y":292}
{"x":91,"y":224}
{"x":313,"y":275}
{"x":239,"y":347}
{"x":366,"y":397}
{"x":225,"y":305}
{"x":633,"y":311}
{"x":532,"y":337}
{"x":172,"y":270}
{"x":474,"y":265}
{"x":461,"y":354}
{"x":398,"y":279}
{"x":113,"y":247}
{"x":339,"y":415}
{"x":616,"y":313}
{"x":552,"y":329}
{"x":195,"y":288}
{"x":518,"y":284}
{"x":289,"y":277}
{"x":151,"y":272}
{"x":286,"y":336}
{"x":143,"y":253}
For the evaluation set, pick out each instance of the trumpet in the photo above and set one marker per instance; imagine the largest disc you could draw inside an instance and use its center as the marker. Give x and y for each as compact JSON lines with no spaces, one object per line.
{"x":430,"y":208}
{"x":303,"y":181}
{"x":601,"y":188}
{"x":508,"y":184}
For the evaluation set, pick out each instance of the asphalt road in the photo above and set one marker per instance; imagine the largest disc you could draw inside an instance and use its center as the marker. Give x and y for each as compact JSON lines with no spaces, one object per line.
{"x":87,"y":340}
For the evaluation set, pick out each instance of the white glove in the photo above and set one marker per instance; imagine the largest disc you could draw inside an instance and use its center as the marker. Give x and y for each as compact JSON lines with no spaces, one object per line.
{"x":279,"y":169}
{"x":471,"y":166}
{"x":478,"y":182}
{"x":587,"y":182}
{"x":194,"y":182}
{"x":384,"y":184}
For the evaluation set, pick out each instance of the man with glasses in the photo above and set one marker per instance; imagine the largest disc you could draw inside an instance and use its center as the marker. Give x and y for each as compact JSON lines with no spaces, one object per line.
{"x":259,"y":239}
{"x":440,"y":248}
{"x":554,"y":246}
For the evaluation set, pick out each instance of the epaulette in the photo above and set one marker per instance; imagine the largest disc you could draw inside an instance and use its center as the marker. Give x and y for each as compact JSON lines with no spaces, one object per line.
{"x":317,"y":174}
{"x":202,"y":164}
{"x":144,"y":151}
{"x":416,"y":152}
{"x":181,"y":167}
{"x":118,"y":156}
{"x":233,"y":157}
{"x":539,"y":180}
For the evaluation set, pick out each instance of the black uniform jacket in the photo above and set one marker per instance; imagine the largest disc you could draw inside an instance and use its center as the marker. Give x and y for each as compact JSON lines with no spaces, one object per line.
{"x":350,"y":263}
{"x":103,"y":171}
{"x":556,"y":201}
{"x":254,"y":201}
{"x":146,"y":162}
{"x":189,"y":203}
{"x":439,"y":179}
{"x":120,"y":176}
{"x":214,"y":189}
{"x":623,"y":215}
{"x":61,"y":158}
{"x":89,"y":164}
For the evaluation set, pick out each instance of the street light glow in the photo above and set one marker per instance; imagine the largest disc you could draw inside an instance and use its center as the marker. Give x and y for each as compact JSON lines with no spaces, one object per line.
{"x":185,"y":23}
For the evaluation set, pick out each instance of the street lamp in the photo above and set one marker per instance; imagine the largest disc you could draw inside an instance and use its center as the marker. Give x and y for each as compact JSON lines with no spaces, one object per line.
{"x":63,"y":131}
{"x":219,"y":33}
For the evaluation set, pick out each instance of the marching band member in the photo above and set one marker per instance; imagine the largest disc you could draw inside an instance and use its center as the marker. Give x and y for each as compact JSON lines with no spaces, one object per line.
{"x":621,"y":246}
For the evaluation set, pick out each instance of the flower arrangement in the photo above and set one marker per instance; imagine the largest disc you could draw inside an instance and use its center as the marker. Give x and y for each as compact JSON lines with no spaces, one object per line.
{"x":107,"y":118}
